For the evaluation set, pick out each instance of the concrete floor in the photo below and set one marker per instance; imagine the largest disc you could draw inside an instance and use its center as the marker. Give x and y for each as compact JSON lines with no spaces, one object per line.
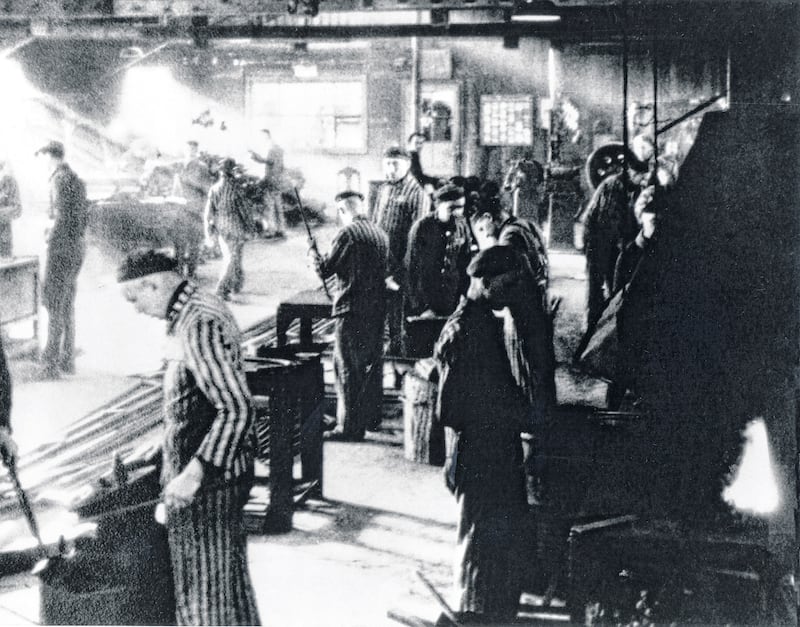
{"x":351,"y":557}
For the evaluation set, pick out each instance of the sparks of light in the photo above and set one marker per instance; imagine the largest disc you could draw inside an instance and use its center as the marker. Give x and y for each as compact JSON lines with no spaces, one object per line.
{"x":754,"y":488}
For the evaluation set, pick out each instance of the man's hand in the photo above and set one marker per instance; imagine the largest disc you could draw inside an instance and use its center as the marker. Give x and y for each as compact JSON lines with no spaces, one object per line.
{"x":181,"y":491}
{"x":391,"y":284}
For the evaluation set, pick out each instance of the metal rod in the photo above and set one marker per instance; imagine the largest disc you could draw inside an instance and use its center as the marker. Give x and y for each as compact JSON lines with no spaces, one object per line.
{"x":625,"y":137}
{"x":689,"y":113}
{"x":415,"y":86}
{"x":654,"y":34}
{"x":440,"y":599}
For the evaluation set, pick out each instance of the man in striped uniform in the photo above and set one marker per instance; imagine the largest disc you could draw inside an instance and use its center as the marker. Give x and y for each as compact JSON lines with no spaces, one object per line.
{"x":481,"y":401}
{"x":227,"y":216}
{"x":208,"y":443}
{"x":401,"y":202}
{"x":358,"y":259}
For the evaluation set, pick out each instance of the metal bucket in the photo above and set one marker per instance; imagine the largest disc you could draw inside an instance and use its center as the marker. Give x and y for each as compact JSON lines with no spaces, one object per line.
{"x":132,"y":587}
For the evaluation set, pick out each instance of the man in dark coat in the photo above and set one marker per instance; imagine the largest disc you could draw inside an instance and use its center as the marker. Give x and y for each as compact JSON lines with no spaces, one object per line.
{"x":529,"y":323}
{"x":208,"y":444}
{"x":65,"y":250}
{"x":271,"y":155}
{"x":493,"y":224}
{"x":610,"y":226}
{"x":194,"y":178}
{"x":401,"y":202}
{"x":437,"y":256}
{"x":358,"y":259}
{"x":481,"y":401}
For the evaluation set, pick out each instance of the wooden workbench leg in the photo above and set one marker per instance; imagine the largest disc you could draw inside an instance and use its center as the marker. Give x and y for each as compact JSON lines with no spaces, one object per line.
{"x":278,"y":518}
{"x":281,"y":326}
{"x":311,"y":450}
{"x":306,"y":337}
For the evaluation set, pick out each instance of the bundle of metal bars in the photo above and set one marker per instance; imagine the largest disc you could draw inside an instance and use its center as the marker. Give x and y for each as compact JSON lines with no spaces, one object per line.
{"x":124,"y":430}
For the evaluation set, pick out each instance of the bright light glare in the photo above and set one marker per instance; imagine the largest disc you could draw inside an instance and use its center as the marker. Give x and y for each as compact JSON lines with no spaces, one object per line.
{"x":535,"y":18}
{"x":754,"y":488}
{"x":13,"y":79}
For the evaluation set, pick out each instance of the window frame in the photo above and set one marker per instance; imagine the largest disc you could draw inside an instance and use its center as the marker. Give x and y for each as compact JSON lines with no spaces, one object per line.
{"x":254,"y":78}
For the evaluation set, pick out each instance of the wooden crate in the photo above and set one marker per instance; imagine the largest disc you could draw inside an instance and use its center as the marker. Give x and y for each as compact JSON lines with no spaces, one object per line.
{"x":423,"y":437}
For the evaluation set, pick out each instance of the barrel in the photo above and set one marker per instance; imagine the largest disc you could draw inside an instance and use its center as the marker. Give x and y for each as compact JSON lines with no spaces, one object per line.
{"x":125,"y":587}
{"x":122,"y":575}
{"x":420,"y":334}
{"x":423,"y":436}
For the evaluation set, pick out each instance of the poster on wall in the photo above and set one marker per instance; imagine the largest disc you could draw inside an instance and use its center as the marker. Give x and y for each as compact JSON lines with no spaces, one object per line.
{"x":506,"y":120}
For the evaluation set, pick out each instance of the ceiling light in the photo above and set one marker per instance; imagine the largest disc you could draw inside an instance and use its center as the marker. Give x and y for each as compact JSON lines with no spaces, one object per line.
{"x":517,"y":17}
{"x":540,"y":11}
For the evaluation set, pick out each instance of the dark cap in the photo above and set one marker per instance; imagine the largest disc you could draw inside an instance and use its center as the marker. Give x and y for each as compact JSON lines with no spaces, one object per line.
{"x":192,"y":142}
{"x":495,"y":261}
{"x":143,"y":262}
{"x":489,"y":189}
{"x":348,"y":193}
{"x":227,"y":165}
{"x":395,"y":152}
{"x":448,"y":192}
{"x":52,"y":148}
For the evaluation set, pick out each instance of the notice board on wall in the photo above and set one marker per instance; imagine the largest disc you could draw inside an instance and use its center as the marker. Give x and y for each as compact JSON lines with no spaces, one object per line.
{"x":507,"y":120}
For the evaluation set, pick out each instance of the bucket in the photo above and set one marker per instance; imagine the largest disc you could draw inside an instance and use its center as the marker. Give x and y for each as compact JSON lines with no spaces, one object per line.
{"x":121,"y":588}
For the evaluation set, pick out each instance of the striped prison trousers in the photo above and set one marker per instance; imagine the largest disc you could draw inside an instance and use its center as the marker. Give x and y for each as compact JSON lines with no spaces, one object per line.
{"x":208,"y":549}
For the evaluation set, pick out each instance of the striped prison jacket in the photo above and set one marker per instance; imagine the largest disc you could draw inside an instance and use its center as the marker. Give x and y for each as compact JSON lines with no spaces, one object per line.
{"x":227,"y":210}
{"x":208,"y":408}
{"x":399,"y":205}
{"x":358,"y":259}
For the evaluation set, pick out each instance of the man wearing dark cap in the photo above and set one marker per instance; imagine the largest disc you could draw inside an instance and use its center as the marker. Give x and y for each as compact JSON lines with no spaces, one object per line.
{"x":401,"y":202}
{"x":65,"y":249}
{"x":493,"y":224}
{"x":481,"y":401}
{"x":358,"y":259}
{"x":208,"y":442}
{"x":228,"y":217}
{"x":437,"y":256}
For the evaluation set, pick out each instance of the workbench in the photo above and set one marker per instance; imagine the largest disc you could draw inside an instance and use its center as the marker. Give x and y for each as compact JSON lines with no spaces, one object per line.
{"x":19,"y":284}
{"x":306,"y":305}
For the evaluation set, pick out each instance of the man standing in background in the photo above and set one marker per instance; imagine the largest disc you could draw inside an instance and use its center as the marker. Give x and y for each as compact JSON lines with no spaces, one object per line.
{"x":358,"y":259}
{"x":438,"y":255}
{"x":65,"y":250}
{"x":227,"y":216}
{"x":401,"y":202}
{"x":10,"y":208}
{"x":272,"y":159}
